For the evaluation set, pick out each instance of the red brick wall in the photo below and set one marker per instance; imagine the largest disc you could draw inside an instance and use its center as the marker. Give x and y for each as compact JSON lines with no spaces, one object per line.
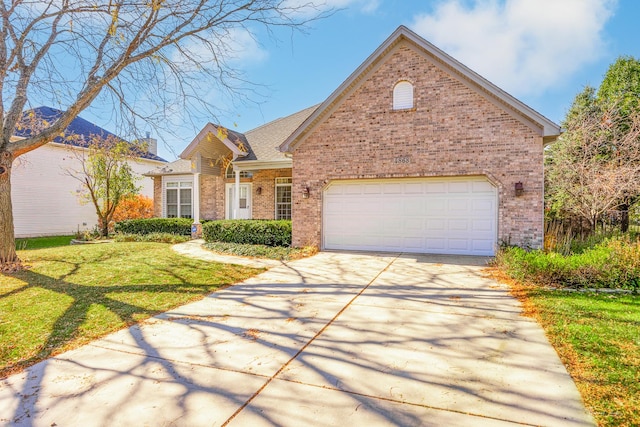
{"x":157,"y":196}
{"x":209,"y":201}
{"x":452,"y":131}
{"x":264,"y":203}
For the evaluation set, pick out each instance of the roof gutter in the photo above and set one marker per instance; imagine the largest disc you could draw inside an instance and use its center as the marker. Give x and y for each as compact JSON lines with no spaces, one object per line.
{"x":252,"y":165}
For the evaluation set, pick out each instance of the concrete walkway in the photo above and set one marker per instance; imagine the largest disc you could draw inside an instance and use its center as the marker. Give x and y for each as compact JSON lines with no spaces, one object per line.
{"x":332,"y":340}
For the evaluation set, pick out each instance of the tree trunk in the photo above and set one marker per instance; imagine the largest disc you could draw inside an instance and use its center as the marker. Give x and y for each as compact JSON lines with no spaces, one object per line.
{"x":7,"y":237}
{"x":104,"y":227}
{"x":624,"y":217}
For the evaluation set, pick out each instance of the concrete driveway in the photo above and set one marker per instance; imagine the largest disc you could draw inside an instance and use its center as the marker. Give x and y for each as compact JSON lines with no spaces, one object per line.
{"x":336,"y":339}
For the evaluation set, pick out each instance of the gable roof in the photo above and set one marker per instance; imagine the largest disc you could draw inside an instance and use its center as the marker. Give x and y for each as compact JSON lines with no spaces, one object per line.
{"x":259,"y":145}
{"x":549,"y":129}
{"x":80,"y":128}
{"x":234,"y":141}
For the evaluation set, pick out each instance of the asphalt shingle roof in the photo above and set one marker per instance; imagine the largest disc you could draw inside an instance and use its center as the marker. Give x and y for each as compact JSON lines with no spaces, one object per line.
{"x":82,"y":130}
{"x":177,"y":167}
{"x":263,"y":141}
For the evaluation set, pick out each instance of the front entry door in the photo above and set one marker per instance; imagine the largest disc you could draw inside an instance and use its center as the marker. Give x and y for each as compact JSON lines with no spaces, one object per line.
{"x":245,"y":201}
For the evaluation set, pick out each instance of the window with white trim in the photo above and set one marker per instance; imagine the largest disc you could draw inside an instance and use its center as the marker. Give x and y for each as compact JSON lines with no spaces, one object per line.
{"x":178,"y":200}
{"x":403,"y":95}
{"x":229,"y":173}
{"x":283,"y":198}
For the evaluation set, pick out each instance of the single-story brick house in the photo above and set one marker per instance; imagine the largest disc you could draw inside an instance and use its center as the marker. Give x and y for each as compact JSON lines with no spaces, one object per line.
{"x":414,"y":152}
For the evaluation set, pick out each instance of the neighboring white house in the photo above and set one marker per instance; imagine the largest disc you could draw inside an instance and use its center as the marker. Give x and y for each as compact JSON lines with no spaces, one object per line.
{"x":46,"y":198}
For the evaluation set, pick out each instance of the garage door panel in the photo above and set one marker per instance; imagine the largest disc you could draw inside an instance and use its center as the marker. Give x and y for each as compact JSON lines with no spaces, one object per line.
{"x":482,"y":205}
{"x":371,"y":242}
{"x":412,"y":244}
{"x":372,"y":189}
{"x":366,"y":205}
{"x":332,"y":206}
{"x":414,"y":188}
{"x":479,"y":225}
{"x":436,"y":215}
{"x":482,"y":245}
{"x":392,"y":242}
{"x":334,"y":190}
{"x":413,"y":207}
{"x":458,"y":187}
{"x":435,"y":187}
{"x":458,"y":207}
{"x":392,"y":188}
{"x":478,"y":187}
{"x":435,"y":244}
{"x":414,"y":224}
{"x":392,"y":207}
{"x":458,"y":225}
{"x":436,"y":224}
{"x":353,"y":189}
{"x":458,"y":244}
{"x":437,"y":207}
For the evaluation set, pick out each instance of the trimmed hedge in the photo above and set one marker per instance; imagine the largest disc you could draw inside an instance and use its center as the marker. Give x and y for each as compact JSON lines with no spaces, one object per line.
{"x":180,"y":226}
{"x":252,"y":232}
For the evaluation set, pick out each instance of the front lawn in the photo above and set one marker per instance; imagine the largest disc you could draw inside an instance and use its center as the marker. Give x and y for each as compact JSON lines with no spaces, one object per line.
{"x":74,"y":294}
{"x":42,"y":242}
{"x":598,"y":339}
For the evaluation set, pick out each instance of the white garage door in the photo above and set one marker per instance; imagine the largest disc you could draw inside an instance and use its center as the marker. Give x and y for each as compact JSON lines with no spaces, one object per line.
{"x":430,"y":215}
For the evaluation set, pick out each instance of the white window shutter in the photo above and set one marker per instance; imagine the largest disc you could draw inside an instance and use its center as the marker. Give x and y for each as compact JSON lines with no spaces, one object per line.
{"x":403,"y":96}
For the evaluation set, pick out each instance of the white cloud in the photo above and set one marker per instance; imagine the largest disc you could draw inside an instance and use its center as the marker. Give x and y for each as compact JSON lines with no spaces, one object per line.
{"x":523,"y":46}
{"x":244,"y":47}
{"x":312,"y":7}
{"x":237,"y":47}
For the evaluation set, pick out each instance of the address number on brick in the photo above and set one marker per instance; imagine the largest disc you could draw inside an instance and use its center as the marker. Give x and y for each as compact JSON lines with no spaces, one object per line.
{"x":405,"y":159}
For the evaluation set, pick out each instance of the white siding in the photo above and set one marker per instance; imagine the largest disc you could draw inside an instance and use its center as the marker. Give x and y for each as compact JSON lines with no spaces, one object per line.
{"x":45,"y":199}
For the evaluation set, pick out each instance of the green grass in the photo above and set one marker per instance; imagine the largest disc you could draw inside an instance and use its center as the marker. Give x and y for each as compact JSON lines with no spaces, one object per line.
{"x":42,"y":242}
{"x":260,"y":251}
{"x":612,"y":263}
{"x":74,"y":294}
{"x":598,"y":338}
{"x":597,"y":335}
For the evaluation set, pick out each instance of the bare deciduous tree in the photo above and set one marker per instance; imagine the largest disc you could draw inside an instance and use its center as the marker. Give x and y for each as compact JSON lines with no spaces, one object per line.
{"x":595,"y":164}
{"x":156,"y":53}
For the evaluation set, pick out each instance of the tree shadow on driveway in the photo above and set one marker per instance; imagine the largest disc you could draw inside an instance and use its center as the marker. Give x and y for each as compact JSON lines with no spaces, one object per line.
{"x":332,"y":340}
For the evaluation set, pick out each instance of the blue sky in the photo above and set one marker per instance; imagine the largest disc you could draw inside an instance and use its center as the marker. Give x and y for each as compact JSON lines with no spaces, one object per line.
{"x":543,"y":52}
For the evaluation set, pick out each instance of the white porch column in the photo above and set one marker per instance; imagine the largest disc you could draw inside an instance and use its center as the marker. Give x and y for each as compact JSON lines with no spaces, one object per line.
{"x":196,"y":198}
{"x":236,"y":194}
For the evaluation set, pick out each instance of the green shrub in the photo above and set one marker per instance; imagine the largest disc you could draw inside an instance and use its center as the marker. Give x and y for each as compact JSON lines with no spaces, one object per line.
{"x":152,"y":237}
{"x":252,"y":232}
{"x":180,"y":226}
{"x":613,"y":263}
{"x":260,"y":251}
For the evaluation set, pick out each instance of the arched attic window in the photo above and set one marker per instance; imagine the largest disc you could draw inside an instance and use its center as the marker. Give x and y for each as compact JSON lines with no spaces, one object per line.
{"x":229,"y":173}
{"x":403,"y":95}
